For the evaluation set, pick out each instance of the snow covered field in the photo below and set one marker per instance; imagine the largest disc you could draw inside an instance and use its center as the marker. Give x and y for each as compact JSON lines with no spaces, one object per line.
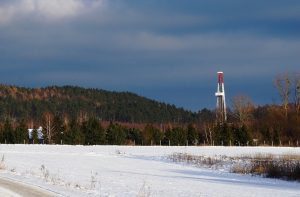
{"x":136,"y":171}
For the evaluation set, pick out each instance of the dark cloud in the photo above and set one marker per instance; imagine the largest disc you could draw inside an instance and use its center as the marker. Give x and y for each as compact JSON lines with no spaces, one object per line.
{"x":169,"y":52}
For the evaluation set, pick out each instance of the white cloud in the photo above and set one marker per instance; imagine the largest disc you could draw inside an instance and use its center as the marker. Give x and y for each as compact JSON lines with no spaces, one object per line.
{"x":49,"y":9}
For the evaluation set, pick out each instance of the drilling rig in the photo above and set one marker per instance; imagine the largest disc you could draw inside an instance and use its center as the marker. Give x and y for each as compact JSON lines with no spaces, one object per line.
{"x":221,"y":104}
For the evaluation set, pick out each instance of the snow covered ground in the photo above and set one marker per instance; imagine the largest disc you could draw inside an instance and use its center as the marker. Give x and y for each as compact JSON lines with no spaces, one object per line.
{"x":136,"y":171}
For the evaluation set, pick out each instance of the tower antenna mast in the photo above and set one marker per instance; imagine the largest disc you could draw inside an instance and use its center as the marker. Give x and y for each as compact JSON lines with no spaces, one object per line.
{"x":221,"y":103}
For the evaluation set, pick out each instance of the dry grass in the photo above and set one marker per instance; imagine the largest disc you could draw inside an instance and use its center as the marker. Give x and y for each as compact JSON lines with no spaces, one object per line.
{"x":144,"y":191}
{"x":2,"y":163}
{"x":286,"y":167}
{"x":200,"y":161}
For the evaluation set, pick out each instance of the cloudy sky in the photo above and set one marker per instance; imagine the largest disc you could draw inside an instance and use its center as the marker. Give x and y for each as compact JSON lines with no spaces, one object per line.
{"x":165,"y":50}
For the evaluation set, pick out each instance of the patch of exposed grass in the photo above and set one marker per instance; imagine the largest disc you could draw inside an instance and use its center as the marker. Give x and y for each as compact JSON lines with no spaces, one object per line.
{"x":200,"y":161}
{"x":286,"y":167}
{"x":2,"y":163}
{"x":144,"y":191}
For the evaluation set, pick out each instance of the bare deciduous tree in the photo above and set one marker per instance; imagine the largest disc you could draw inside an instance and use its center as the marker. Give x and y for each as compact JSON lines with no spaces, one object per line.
{"x":283,"y":85}
{"x":208,"y":133}
{"x":48,"y":119}
{"x":296,"y":90}
{"x":242,"y":108}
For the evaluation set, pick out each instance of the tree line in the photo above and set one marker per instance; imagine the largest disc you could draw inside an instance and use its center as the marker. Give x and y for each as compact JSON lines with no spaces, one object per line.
{"x":266,"y":126}
{"x":91,"y":132}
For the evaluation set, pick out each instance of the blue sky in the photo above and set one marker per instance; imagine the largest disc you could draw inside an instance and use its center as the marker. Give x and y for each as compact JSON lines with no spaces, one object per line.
{"x":165,"y":50}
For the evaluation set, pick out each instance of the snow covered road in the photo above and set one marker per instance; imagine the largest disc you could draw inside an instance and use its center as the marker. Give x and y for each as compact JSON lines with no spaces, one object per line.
{"x":137,"y":171}
{"x":12,"y":188}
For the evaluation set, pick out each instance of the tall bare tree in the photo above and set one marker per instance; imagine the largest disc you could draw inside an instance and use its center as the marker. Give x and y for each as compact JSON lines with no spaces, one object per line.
{"x":242,"y":108}
{"x":283,"y":85}
{"x":208,"y":130}
{"x":48,"y":124}
{"x":296,"y":91}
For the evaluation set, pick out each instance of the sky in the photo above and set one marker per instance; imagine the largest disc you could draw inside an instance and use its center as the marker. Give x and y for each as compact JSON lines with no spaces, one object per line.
{"x":169,"y":51}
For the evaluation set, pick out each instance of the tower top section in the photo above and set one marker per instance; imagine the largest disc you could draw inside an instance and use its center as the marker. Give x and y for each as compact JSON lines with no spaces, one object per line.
{"x":220,"y":77}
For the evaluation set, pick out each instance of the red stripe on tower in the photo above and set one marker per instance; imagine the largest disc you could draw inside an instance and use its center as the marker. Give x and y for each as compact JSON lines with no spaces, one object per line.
{"x":220,"y":77}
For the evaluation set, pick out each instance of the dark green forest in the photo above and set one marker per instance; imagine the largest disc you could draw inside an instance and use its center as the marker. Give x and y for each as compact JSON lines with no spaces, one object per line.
{"x":26,"y":103}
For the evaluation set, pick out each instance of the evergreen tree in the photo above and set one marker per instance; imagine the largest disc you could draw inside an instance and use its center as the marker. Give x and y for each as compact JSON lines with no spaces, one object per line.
{"x":168,"y":138}
{"x":68,"y":136}
{"x":226,"y":135}
{"x":74,"y":134}
{"x":223,"y":135}
{"x":152,"y":135}
{"x":134,"y":135}
{"x":244,"y":137}
{"x":93,"y":131}
{"x":181,"y":135}
{"x":115,"y":134}
{"x":241,"y":136}
{"x":192,"y":135}
{"x":177,"y":136}
{"x":217,"y":138}
{"x":276,"y":137}
{"x":35,"y":136}
{"x":2,"y":140}
{"x":21,"y":132}
{"x":8,"y":133}
{"x":58,"y":130}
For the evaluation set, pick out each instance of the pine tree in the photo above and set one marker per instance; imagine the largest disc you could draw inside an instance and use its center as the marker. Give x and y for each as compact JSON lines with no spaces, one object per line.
{"x":21,"y":132}
{"x":58,"y":130}
{"x":115,"y":134}
{"x":177,"y":136}
{"x":134,"y":135}
{"x":217,"y":135}
{"x":276,"y":137}
{"x":168,"y":138}
{"x":223,"y":135}
{"x":35,"y":136}
{"x":152,"y":135}
{"x":245,"y":138}
{"x":192,"y":135}
{"x":93,"y":131}
{"x":226,"y":135}
{"x":74,"y":134}
{"x":181,"y":135}
{"x":8,"y":133}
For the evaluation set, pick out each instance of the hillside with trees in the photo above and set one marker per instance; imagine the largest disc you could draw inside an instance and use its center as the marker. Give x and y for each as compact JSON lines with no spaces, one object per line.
{"x":71,"y":101}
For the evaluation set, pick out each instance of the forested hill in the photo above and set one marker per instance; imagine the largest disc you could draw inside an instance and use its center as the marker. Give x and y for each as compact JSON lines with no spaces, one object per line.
{"x":32,"y":103}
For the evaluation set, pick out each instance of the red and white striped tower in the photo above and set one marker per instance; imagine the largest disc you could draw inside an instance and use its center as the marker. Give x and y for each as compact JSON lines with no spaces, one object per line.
{"x":221,"y":104}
